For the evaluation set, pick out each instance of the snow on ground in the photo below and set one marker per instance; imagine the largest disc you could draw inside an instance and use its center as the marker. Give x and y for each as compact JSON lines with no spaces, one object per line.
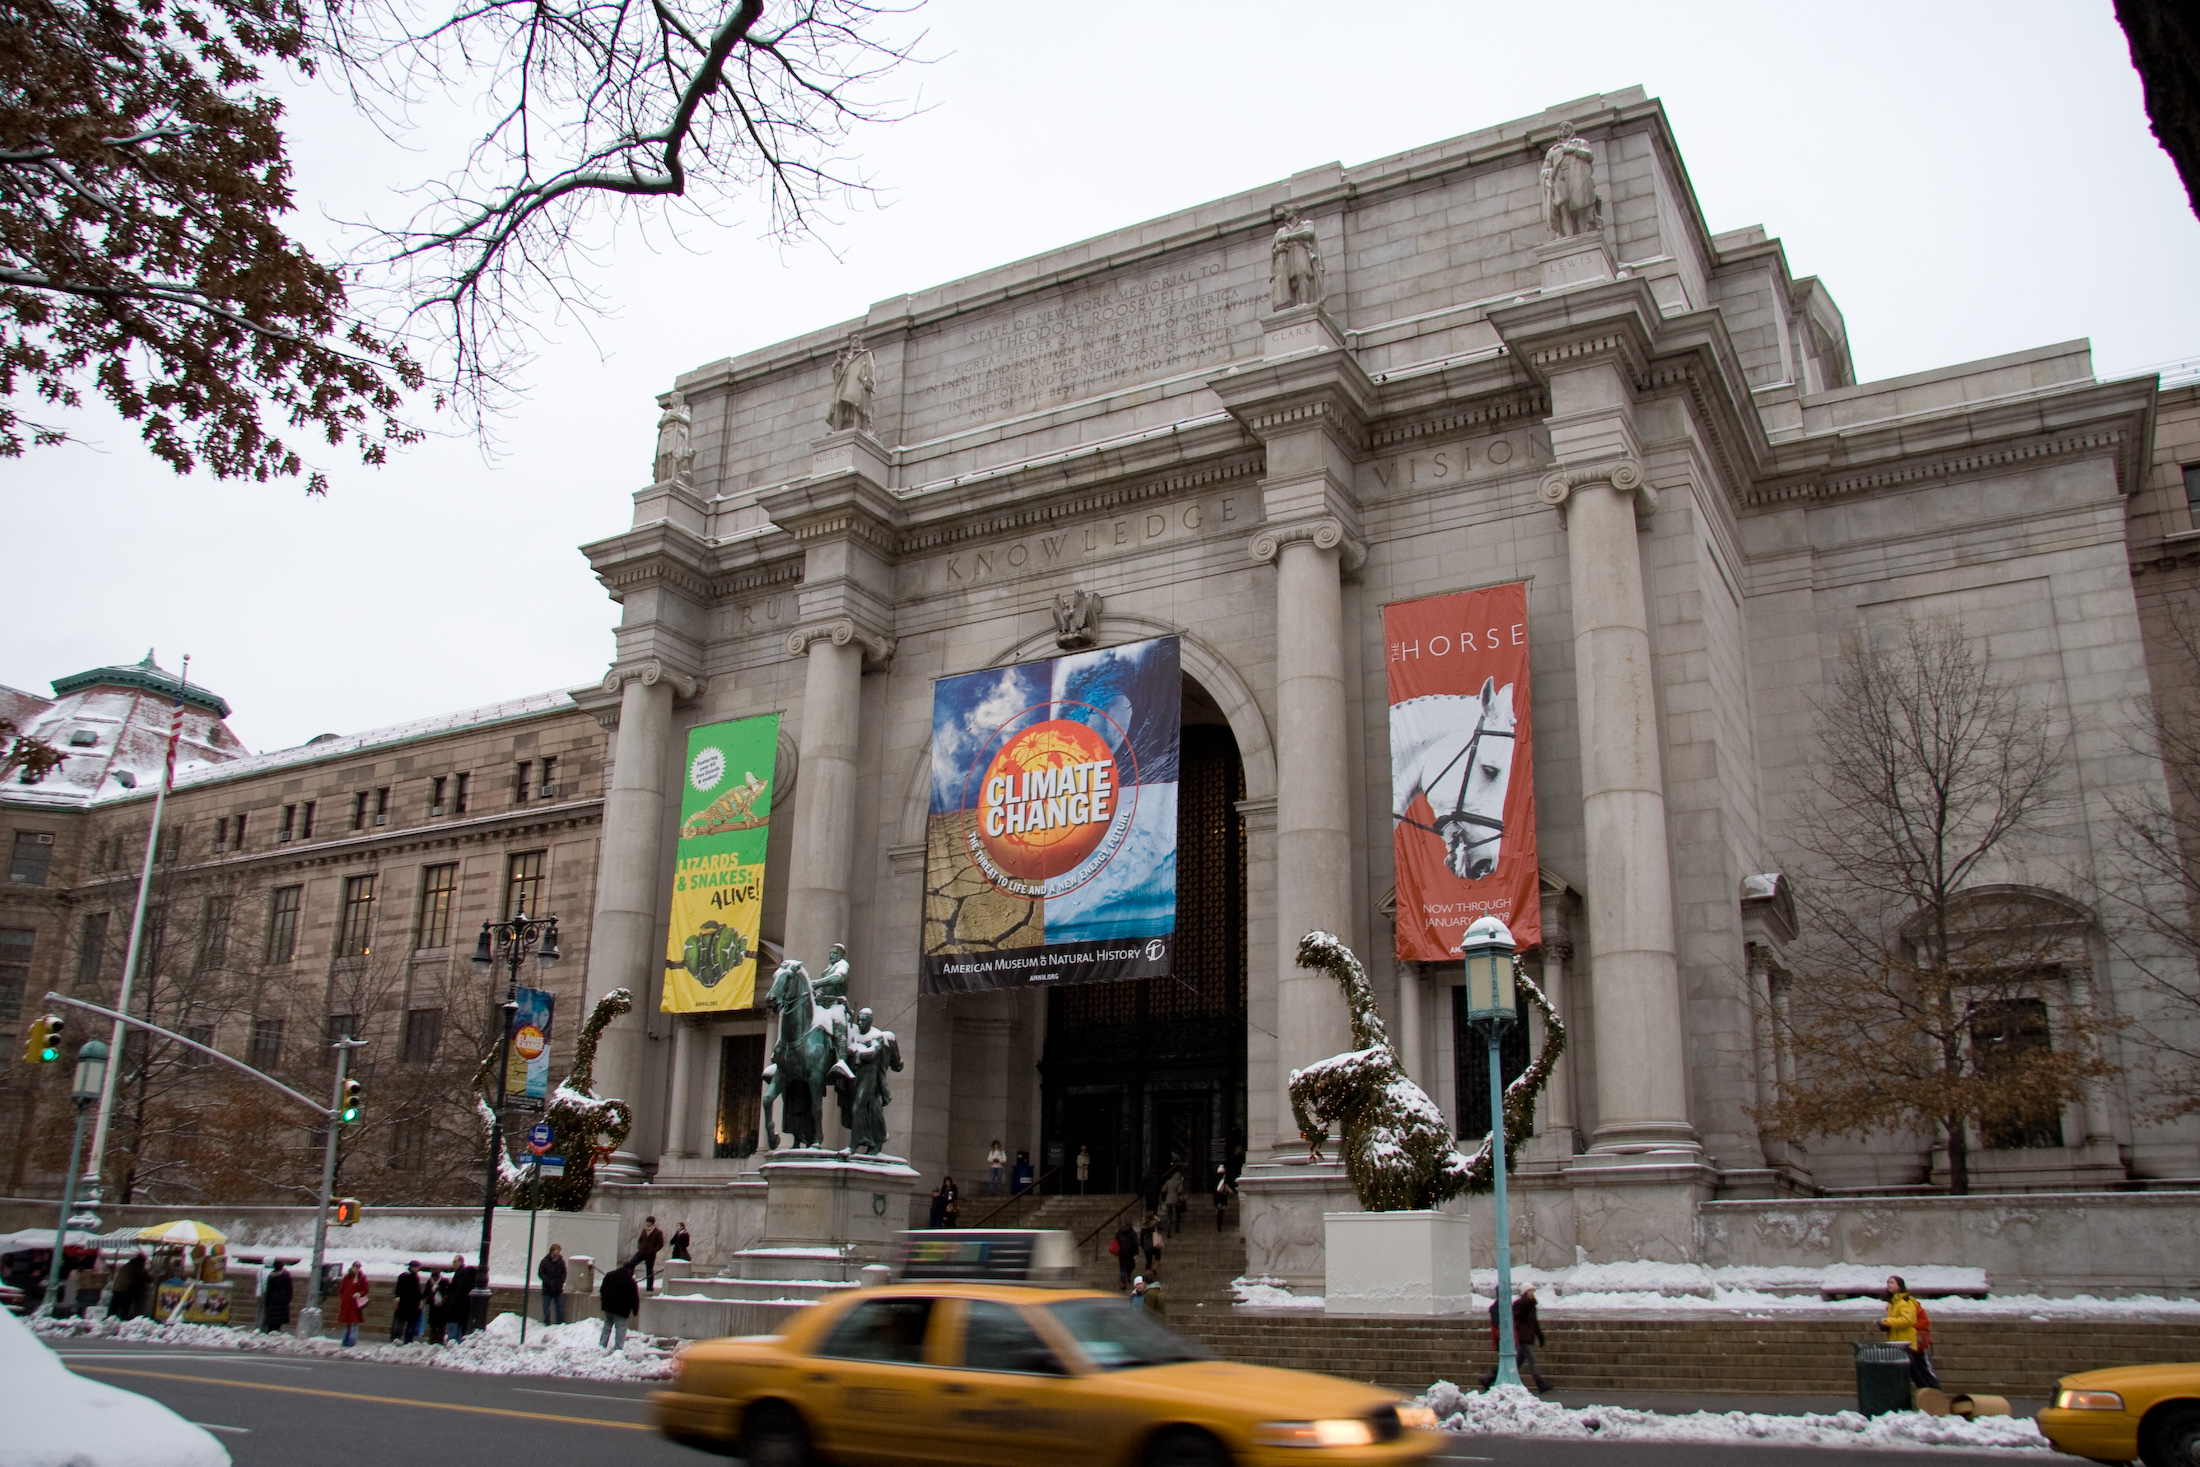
{"x":1268,"y":1294}
{"x":1513,"y":1411}
{"x":57,"y":1418}
{"x":561,"y":1349}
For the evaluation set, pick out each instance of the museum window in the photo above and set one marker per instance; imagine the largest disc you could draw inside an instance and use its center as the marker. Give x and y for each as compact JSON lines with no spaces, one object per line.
{"x":282,"y":924}
{"x":382,"y":805}
{"x":520,"y":784}
{"x":549,"y":776}
{"x":91,"y":948}
{"x":33,"y":857}
{"x":264,"y":1050}
{"x":409,"y":1144}
{"x":305,"y":820}
{"x":424,"y":1035}
{"x":221,"y":835}
{"x":1470,"y":1049}
{"x":438,"y":898}
{"x":15,"y":968}
{"x":289,"y":827}
{"x":356,"y":931}
{"x":460,"y":794}
{"x":2006,"y":1035}
{"x":340,"y":1028}
{"x":359,"y":811}
{"x":437,"y":789}
{"x":523,"y":887}
{"x":740,"y":1095}
{"x":2192,"y":490}
{"x":214,"y":936}
{"x":191,"y":1059}
{"x":241,"y":819}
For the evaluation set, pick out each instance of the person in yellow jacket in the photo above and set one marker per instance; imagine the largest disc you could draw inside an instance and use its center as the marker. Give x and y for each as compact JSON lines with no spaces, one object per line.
{"x":1908,"y":1325}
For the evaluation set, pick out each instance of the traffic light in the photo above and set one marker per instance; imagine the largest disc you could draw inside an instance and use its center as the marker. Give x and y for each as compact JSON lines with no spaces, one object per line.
{"x":42,"y":1042}
{"x":348,"y":1112}
{"x":347,"y":1211}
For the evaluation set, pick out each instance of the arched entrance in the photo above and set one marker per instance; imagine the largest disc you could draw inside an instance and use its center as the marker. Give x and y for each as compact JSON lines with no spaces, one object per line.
{"x":1152,"y":1072}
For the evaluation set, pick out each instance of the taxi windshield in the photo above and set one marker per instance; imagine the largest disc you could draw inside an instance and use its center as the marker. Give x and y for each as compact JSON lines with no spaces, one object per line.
{"x":1114,"y":1336}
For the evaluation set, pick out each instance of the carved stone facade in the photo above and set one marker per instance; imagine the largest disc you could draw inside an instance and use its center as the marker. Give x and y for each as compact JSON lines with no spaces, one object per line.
{"x":1255,"y":440}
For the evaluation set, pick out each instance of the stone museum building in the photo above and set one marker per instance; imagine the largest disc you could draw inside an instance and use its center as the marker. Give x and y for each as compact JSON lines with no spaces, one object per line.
{"x":297,"y":896}
{"x":1252,"y":425}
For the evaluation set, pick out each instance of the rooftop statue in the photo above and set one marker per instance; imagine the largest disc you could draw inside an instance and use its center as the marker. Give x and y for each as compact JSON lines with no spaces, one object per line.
{"x":1294,"y":264}
{"x":675,"y":429}
{"x":853,"y":379}
{"x":1570,"y":202}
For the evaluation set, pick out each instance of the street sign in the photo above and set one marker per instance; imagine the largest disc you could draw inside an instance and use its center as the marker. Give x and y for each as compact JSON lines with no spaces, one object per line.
{"x":540,"y":1137}
{"x":550,"y":1166}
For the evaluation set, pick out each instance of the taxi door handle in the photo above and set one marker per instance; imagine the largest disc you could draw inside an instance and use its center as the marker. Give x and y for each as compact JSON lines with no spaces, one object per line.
{"x":952,"y":1389}
{"x":821,"y":1377}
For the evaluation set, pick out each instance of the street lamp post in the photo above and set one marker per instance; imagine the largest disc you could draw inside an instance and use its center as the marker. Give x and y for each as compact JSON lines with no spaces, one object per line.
{"x":509,"y":942}
{"x":90,"y":1080}
{"x":1492,"y":1002}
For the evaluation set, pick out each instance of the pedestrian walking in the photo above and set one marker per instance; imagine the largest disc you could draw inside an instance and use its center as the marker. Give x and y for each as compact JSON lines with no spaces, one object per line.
{"x":996,"y":1168}
{"x":130,"y":1281}
{"x":1145,"y":1239}
{"x":1126,"y":1253}
{"x":647,"y":1247}
{"x":405,"y":1306}
{"x":1908,"y":1325}
{"x":275,"y":1299}
{"x":458,"y":1303}
{"x":1172,"y":1197}
{"x":1084,"y":1168}
{"x":1138,"y":1292}
{"x":936,"y":1216}
{"x":619,"y":1299}
{"x":1222,"y":1193}
{"x":681,"y":1242}
{"x":437,"y":1292}
{"x":951,"y":1199}
{"x":1527,"y":1335}
{"x":351,"y":1303}
{"x":552,"y":1273}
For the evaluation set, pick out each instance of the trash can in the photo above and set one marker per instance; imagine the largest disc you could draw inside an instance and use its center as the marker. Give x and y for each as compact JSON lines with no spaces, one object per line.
{"x":1882,"y":1377}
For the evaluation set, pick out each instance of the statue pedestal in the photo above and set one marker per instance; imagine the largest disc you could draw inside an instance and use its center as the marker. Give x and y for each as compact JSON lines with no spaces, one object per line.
{"x":1578,"y":259}
{"x":827,"y":1214}
{"x":1298,"y":328}
{"x":1397,"y":1263}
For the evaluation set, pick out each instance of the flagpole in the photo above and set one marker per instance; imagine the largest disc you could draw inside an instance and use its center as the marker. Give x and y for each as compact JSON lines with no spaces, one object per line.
{"x":93,"y":1162}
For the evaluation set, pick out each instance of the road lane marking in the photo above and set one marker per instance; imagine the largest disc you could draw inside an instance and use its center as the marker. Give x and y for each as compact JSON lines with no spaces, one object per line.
{"x":216,"y":1426}
{"x":204,"y":1355}
{"x":261,"y":1385}
{"x":585,"y":1395}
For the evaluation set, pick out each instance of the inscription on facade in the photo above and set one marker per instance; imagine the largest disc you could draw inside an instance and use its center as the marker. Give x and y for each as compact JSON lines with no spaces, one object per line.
{"x":1440,"y":464}
{"x":1086,"y":540}
{"x":1088,"y":336}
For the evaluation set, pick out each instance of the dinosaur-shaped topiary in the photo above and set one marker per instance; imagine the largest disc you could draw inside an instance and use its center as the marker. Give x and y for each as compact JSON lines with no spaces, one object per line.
{"x":1397,"y":1149}
{"x":581,"y":1122}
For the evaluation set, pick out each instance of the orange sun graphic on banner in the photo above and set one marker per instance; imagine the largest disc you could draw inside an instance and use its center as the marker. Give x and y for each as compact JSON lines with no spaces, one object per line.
{"x":1049,"y":796}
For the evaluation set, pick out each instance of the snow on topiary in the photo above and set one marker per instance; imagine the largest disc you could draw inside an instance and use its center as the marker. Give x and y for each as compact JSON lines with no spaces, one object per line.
{"x":582,"y":1121}
{"x":1397,"y":1149}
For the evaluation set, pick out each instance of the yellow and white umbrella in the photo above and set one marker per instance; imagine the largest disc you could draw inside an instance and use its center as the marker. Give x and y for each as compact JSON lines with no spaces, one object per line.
{"x":182,"y":1233}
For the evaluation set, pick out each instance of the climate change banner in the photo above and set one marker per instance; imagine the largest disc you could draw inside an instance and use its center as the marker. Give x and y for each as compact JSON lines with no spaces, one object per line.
{"x":527,"y":1072}
{"x":1051,"y":855}
{"x":1462,"y":769}
{"x":718,"y":870}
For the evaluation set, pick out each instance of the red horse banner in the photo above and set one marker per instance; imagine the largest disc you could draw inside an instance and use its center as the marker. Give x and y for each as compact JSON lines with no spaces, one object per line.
{"x":1462,"y":769}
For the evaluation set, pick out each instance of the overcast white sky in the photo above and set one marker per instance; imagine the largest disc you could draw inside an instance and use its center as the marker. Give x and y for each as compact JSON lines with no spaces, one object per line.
{"x":1968,"y":179}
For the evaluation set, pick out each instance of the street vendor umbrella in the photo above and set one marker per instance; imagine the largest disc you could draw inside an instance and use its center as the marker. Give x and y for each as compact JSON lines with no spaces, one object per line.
{"x":181,"y":1233}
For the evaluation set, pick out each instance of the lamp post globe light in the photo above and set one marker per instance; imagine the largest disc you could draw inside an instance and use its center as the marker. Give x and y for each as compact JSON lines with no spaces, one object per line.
{"x":1493,"y":1002}
{"x":511,"y":943}
{"x":84,"y":1089}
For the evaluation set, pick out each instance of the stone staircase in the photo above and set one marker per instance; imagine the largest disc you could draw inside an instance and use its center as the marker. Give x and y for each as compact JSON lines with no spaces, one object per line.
{"x":1787,"y":1355}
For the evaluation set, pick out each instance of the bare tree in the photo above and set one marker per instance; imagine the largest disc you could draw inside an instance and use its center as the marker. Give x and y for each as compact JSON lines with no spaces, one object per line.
{"x":1925,"y":991}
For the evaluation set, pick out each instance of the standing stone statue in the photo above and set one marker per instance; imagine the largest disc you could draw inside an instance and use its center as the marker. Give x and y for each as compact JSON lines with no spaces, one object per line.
{"x":1570,"y":202}
{"x":853,"y":379}
{"x":871,"y":1053}
{"x":675,"y":460}
{"x":1294,"y":264}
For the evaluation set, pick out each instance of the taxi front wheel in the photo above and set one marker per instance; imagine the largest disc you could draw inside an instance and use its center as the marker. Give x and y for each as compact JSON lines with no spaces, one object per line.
{"x":1184,"y":1447}
{"x":2174,"y":1441}
{"x":773,"y":1437}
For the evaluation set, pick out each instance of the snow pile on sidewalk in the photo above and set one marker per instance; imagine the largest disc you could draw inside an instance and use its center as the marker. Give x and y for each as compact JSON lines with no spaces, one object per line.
{"x":57,"y":1418}
{"x":1513,"y":1411}
{"x":568,"y":1350}
{"x":1271,"y":1294}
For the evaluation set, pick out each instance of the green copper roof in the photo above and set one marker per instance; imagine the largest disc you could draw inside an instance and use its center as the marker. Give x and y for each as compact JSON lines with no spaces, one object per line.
{"x":147,"y":676}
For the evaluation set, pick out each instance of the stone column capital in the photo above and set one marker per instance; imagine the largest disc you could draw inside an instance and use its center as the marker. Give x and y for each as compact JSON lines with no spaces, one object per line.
{"x":649,"y":671}
{"x":1325,"y":533}
{"x":1623,"y":474}
{"x":878,"y":648}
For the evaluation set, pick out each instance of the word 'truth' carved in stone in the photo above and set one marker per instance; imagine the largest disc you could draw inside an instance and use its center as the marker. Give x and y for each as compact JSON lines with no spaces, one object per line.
{"x":1570,"y":202}
{"x":1294,"y":264}
{"x":853,"y":380}
{"x":675,"y":429}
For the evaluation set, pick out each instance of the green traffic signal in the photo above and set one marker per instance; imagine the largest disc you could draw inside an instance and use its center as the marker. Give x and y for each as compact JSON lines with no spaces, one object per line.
{"x":348,"y":1111}
{"x":48,"y":1032}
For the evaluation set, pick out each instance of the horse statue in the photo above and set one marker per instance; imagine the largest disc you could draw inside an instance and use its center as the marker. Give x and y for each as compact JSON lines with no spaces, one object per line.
{"x":810,"y":1058}
{"x":587,"y":1127}
{"x":1458,"y":751}
{"x":1397,"y":1148}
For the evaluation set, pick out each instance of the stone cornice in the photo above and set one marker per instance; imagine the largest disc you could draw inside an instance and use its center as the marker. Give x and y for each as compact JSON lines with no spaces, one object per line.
{"x":1089,"y":500}
{"x":1328,"y":390}
{"x":661,"y":554}
{"x":842,"y":505}
{"x":1449,"y":417}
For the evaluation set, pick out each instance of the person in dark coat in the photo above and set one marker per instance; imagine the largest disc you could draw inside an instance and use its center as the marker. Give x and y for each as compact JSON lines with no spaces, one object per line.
{"x":937,"y":1216}
{"x":1126,"y":1253}
{"x":620,"y":1300}
{"x":458,"y":1306}
{"x":1527,"y":1335}
{"x":436,"y":1292}
{"x":647,"y":1247}
{"x":130,"y":1281}
{"x":275,"y":1301}
{"x":552,"y":1273}
{"x":405,"y":1309}
{"x":681,"y":1243}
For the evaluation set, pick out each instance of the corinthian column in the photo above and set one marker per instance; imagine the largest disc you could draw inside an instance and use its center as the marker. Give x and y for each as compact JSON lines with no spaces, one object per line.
{"x":1642,"y":1068}
{"x":626,"y":941}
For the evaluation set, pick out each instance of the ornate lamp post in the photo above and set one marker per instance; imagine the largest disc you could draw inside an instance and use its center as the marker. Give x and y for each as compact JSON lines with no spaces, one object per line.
{"x":1493,"y":1003}
{"x":509,"y":942}
{"x":85,"y":1089}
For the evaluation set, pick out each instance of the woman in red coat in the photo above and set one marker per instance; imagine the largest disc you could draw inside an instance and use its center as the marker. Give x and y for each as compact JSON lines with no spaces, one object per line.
{"x":351,"y":1304}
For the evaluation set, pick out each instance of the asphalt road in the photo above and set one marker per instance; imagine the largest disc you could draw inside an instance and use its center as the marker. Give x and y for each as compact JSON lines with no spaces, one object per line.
{"x":284,"y":1411}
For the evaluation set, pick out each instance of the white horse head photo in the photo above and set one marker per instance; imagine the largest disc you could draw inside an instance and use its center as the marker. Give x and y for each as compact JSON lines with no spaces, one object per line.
{"x":1457,"y":751}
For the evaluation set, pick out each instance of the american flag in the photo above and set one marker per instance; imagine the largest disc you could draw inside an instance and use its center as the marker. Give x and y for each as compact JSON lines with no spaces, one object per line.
{"x":175,"y":724}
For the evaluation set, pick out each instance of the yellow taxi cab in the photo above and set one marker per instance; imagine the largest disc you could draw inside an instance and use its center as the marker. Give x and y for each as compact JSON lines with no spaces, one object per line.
{"x":2151,"y":1412}
{"x":989,"y":1375}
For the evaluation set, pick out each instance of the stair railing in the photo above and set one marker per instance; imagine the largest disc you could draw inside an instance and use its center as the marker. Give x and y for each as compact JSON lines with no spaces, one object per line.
{"x":1017,"y":1198}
